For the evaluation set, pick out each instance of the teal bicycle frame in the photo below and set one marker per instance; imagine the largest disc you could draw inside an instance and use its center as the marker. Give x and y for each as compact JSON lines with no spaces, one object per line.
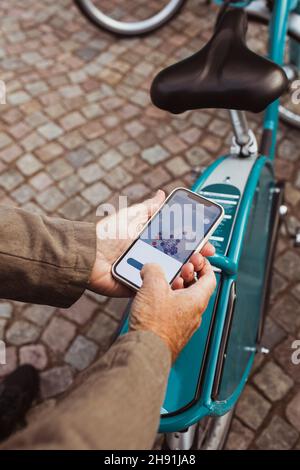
{"x":229,"y":265}
{"x":191,"y":393}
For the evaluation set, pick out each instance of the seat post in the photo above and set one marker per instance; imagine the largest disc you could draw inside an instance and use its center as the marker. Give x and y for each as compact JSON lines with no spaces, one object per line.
{"x":244,"y":141}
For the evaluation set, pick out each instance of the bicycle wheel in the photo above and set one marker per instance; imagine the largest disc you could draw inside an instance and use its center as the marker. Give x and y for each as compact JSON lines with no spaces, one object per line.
{"x":209,"y":434}
{"x":91,"y":9}
{"x":212,"y":434}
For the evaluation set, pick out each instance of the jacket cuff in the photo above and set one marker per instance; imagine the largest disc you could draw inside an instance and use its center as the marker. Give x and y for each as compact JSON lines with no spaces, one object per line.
{"x":85,"y":245}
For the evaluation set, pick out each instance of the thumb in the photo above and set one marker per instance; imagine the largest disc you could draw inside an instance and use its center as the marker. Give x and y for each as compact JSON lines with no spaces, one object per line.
{"x":153,"y":276}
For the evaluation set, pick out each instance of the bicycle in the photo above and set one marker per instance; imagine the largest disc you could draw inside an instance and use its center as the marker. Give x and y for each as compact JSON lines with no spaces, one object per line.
{"x":258,"y":11}
{"x":208,"y":377}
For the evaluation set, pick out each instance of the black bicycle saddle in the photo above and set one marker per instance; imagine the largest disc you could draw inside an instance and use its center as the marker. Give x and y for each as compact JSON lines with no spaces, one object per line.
{"x":224,"y":74}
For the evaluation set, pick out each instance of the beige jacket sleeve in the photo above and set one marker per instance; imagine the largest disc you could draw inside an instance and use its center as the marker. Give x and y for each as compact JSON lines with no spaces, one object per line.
{"x":116,"y":406}
{"x":44,"y":260}
{"x":116,"y":402}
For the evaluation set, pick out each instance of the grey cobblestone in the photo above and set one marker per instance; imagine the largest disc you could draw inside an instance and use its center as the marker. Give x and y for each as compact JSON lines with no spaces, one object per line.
{"x":155,"y":154}
{"x":6,"y":310}
{"x":55,"y":381}
{"x":279,"y":435}
{"x":22,"y":332}
{"x":273,"y":381}
{"x":252,"y":408}
{"x":81,"y":353}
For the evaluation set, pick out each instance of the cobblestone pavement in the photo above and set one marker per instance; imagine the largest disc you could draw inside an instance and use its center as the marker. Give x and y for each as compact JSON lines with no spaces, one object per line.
{"x":78,"y":128}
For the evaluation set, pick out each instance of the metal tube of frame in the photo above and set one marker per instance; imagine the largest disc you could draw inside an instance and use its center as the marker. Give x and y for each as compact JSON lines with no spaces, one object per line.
{"x":278,"y":32}
{"x":240,"y":126}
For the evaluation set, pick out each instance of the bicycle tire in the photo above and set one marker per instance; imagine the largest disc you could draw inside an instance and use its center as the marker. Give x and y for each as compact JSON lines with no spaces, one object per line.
{"x":136,"y":28}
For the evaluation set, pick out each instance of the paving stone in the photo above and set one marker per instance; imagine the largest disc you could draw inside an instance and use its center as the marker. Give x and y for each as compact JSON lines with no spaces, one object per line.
{"x":71,"y":91}
{"x":71,"y":185}
{"x":18,"y":98}
{"x":38,"y":314}
{"x":82,"y":311}
{"x":279,"y":435}
{"x":285,"y":313}
{"x":96,"y":193}
{"x":11,"y":362}
{"x":75,"y":209}
{"x":278,"y":285}
{"x":136,"y":192}
{"x":116,"y":308}
{"x":50,"y":131}
{"x":288,"y":265}
{"x":10,"y":179}
{"x":41,"y":181}
{"x":6,"y":310}
{"x":92,"y":129}
{"x":73,"y":140}
{"x":23,"y":194}
{"x":35,"y":355}
{"x":22,"y":332}
{"x":177,"y":166}
{"x":55,"y":381}
{"x":72,"y":120}
{"x":293,"y":411}
{"x":103,"y":330}
{"x":110,"y":159}
{"x":59,"y":334}
{"x":118,"y":178}
{"x":156,"y":178}
{"x":49,"y":152}
{"x":296,"y":291}
{"x":91,"y":173}
{"x":174,"y":144}
{"x":32,"y":141}
{"x":273,"y":381}
{"x":50,"y":199}
{"x":129,"y":148}
{"x":252,"y":408}
{"x":59,"y":169}
{"x":272,"y":334}
{"x":10,"y":153}
{"x":197,"y":156}
{"x":81,"y":353}
{"x":29,"y":164}
{"x":79,"y":157}
{"x":240,"y":436}
{"x":155,"y":154}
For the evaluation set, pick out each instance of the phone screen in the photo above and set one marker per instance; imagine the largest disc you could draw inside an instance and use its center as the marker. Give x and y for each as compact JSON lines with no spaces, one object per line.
{"x":171,"y":237}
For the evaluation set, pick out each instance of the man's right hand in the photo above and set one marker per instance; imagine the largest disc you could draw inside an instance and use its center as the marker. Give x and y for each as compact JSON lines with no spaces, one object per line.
{"x":173,"y":315}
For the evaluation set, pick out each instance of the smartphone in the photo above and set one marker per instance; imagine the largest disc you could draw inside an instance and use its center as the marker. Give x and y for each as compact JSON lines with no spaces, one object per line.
{"x":181,"y":226}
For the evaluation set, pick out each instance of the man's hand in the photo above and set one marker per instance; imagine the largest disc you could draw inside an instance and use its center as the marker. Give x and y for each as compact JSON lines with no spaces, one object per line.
{"x":110,"y":247}
{"x":173,"y":315}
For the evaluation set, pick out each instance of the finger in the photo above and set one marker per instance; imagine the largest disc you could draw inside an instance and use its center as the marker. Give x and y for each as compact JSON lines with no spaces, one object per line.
{"x":198,"y":294}
{"x":208,"y":250}
{"x":155,"y":202}
{"x":197,"y":261}
{"x":153,"y":276}
{"x":187,"y":272}
{"x":178,"y":283}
